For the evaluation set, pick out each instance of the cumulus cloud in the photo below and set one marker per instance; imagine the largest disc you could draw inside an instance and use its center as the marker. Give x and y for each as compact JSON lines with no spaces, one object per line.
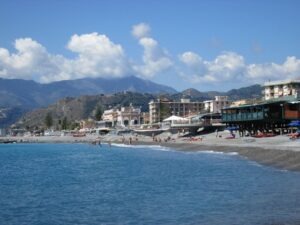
{"x":29,"y":62}
{"x":231,"y":67}
{"x":97,"y":56}
{"x":141,"y":30}
{"x":155,"y":59}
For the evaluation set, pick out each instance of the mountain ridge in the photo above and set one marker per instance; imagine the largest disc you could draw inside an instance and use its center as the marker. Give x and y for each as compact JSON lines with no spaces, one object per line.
{"x":20,"y":96}
{"x":84,"y":107}
{"x":30,"y":94}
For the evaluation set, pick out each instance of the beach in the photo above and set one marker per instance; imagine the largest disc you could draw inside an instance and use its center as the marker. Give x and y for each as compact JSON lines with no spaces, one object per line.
{"x":279,"y":151}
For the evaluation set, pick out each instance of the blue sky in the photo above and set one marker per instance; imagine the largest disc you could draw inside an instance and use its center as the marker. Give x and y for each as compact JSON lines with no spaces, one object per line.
{"x":207,"y":45}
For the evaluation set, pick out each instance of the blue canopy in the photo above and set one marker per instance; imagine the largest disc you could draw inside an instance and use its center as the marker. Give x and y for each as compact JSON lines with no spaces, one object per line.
{"x":294,"y":123}
{"x":231,"y":128}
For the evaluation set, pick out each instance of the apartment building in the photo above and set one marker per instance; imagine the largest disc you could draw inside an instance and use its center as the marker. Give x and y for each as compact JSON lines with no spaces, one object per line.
{"x":281,"y":89}
{"x":216,"y":105}
{"x":160,"y":109}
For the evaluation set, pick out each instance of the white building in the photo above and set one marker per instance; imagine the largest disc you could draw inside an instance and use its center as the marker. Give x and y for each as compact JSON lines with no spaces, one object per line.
{"x":215,"y":106}
{"x":110,"y":115}
{"x":126,"y":116}
{"x":281,"y":89}
{"x":129,"y":116}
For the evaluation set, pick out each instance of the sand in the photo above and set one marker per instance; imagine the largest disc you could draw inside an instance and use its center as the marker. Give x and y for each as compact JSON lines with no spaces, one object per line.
{"x":279,"y":151}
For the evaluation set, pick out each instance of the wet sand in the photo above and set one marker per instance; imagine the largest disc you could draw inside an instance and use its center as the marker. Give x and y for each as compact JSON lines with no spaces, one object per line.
{"x":279,"y":152}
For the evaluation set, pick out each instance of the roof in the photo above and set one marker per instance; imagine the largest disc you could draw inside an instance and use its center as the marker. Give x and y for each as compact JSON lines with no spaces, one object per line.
{"x":174,"y":118}
{"x":281,"y":82}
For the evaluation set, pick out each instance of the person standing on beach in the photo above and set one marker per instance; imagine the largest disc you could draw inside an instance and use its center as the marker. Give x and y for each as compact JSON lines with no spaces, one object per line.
{"x":130,"y":140}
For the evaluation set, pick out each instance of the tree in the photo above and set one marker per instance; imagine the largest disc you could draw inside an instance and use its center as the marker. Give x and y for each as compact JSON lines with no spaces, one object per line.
{"x":64,"y":123}
{"x":48,"y":120}
{"x":98,"y":113}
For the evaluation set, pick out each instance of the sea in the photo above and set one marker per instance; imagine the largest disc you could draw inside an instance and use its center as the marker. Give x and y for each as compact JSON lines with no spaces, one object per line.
{"x":128,"y":185}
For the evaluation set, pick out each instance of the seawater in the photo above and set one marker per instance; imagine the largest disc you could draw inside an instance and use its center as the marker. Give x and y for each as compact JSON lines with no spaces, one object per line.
{"x":86,"y":184}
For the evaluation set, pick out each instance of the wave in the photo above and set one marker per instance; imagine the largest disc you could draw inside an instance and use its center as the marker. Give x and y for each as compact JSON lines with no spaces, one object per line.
{"x":217,"y":152}
{"x":162,"y":148}
{"x":153,"y":147}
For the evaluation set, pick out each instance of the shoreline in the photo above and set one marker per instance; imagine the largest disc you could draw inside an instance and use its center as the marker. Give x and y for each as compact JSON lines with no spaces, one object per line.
{"x":278,"y":152}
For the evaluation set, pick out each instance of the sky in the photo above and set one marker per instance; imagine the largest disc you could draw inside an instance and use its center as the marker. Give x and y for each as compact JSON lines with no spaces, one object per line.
{"x":208,"y":45}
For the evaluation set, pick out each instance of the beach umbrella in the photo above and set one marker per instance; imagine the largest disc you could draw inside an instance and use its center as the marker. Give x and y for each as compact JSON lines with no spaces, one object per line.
{"x":294,"y":123}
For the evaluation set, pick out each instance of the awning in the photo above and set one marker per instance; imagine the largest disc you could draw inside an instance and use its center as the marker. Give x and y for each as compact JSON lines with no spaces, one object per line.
{"x":175,"y":118}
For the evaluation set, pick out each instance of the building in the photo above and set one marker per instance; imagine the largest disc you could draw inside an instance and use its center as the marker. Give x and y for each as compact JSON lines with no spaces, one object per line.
{"x":238,"y":103}
{"x":282,"y":89}
{"x":87,"y":124}
{"x":246,"y":102}
{"x":129,"y":116}
{"x":266,"y":116}
{"x":161,"y":109}
{"x":216,"y":105}
{"x":110,"y":115}
{"x":126,"y":116}
{"x":145,"y":118}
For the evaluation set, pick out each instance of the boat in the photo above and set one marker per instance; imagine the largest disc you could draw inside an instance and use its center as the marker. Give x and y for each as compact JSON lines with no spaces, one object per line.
{"x":8,"y":142}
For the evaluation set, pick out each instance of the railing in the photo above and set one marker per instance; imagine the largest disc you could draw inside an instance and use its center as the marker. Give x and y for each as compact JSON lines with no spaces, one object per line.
{"x":242,"y":117}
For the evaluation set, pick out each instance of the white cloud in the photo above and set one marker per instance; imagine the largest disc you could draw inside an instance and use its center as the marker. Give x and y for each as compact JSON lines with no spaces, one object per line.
{"x":231,"y":67}
{"x":155,"y":59}
{"x":191,"y":59}
{"x":141,"y":30}
{"x":29,"y":62}
{"x":98,"y":56}
{"x":290,"y":69}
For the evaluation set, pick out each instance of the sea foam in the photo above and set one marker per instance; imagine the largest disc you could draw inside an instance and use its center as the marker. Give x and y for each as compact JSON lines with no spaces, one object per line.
{"x":153,"y":147}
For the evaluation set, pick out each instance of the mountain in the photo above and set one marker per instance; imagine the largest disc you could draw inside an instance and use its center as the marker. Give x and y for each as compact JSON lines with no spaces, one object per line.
{"x":18,"y":96}
{"x":83,"y":107}
{"x":195,"y":95}
{"x":254,"y":91}
{"x":29,"y":94}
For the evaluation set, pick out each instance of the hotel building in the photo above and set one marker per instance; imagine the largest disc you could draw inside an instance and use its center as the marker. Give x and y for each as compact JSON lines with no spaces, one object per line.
{"x":160,"y":109}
